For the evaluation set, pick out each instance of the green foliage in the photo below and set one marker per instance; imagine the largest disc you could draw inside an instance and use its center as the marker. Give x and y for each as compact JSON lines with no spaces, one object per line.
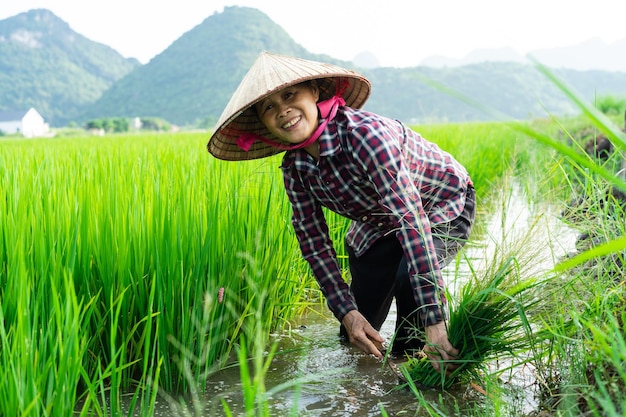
{"x":154,"y":124}
{"x":116,"y":125}
{"x":582,"y":372}
{"x":611,"y":105}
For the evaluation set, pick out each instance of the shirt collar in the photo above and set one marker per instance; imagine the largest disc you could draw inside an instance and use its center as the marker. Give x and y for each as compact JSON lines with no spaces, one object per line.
{"x":329,"y":145}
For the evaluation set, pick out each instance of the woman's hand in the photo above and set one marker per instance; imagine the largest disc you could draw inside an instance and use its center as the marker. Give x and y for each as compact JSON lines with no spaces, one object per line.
{"x":362,"y":334}
{"x":439,"y":349}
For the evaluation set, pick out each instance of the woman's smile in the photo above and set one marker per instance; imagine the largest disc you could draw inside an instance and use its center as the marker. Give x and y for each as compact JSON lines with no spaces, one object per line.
{"x":292,"y":122}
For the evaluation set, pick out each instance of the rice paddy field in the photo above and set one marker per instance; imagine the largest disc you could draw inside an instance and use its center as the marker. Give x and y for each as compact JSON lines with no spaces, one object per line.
{"x":136,"y":268}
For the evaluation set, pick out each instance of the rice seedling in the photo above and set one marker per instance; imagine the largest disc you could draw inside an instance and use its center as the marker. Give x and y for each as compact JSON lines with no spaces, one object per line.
{"x":488,"y":322}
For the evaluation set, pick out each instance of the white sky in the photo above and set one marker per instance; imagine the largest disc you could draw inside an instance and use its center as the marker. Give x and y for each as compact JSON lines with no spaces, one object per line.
{"x":399,"y":33}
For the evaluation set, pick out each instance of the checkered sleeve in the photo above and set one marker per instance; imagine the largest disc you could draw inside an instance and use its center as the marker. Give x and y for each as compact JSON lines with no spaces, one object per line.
{"x":317,"y":248}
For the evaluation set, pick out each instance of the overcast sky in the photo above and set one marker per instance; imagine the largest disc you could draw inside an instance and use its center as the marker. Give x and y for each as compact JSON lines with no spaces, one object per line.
{"x":399,"y":33}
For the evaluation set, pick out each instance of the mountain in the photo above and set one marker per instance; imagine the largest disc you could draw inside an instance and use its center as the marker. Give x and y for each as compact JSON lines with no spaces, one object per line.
{"x":46,"y":65}
{"x":588,"y":55}
{"x":366,"y":59}
{"x":477,"y":56}
{"x":69,"y":78}
{"x":191,"y":81}
{"x":593,"y":54}
{"x":193,"y":78}
{"x":486,"y":91}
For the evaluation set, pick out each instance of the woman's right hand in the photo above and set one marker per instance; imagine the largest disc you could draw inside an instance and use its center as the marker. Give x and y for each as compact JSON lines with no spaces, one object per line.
{"x":362,"y":334}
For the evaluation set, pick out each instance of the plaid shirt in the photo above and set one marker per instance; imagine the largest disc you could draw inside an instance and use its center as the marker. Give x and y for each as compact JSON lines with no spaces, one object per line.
{"x":386,"y":179}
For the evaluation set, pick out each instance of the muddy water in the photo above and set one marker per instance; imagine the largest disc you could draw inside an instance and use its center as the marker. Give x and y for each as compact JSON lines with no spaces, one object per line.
{"x":342,"y":381}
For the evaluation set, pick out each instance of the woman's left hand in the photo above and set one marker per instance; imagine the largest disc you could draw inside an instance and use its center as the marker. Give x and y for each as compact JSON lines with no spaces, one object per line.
{"x":439,"y":349}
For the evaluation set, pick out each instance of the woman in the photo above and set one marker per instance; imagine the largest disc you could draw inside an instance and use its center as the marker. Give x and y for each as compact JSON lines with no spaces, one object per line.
{"x":411,"y":204}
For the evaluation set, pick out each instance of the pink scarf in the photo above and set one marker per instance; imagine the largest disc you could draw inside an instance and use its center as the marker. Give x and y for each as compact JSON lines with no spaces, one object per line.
{"x":328,"y":111}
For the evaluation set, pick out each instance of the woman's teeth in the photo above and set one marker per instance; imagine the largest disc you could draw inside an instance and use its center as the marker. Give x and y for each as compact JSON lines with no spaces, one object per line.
{"x":291,"y":123}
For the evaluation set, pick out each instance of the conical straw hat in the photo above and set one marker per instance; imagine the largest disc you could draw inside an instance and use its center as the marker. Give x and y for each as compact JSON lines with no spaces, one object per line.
{"x":269,"y":74}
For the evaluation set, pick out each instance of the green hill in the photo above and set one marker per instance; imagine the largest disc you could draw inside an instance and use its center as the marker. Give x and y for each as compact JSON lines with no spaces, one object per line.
{"x":516,"y":91}
{"x":192,"y":80}
{"x":46,"y":65}
{"x":66,"y":77}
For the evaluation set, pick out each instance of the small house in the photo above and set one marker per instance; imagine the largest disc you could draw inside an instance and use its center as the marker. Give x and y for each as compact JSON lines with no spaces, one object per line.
{"x":27,"y":122}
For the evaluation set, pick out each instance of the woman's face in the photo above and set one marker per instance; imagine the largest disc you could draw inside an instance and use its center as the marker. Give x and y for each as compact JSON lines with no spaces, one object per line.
{"x":291,"y":114}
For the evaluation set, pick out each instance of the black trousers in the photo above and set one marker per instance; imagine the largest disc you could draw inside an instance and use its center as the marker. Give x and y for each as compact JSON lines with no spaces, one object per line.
{"x":381,"y":274}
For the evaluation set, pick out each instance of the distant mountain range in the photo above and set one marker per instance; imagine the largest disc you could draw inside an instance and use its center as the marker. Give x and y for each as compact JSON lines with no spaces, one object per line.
{"x":593,"y":54}
{"x":71,"y":79}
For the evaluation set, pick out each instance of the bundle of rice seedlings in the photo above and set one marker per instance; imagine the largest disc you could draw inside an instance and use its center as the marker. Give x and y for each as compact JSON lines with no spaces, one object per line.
{"x":489,"y":321}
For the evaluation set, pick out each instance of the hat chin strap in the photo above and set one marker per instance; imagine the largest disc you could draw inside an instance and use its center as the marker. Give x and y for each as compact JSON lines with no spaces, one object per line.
{"x":328,"y":111}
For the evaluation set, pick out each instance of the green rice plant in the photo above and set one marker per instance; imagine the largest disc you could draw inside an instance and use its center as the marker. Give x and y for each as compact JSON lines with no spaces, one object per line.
{"x":488,"y":322}
{"x":143,"y":227}
{"x":606,"y":347}
{"x":585,"y":375}
{"x":42,"y":350}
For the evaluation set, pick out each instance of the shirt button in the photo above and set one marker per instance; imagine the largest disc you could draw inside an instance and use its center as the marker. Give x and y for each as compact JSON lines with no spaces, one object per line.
{"x":363,"y":218}
{"x":380,"y":224}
